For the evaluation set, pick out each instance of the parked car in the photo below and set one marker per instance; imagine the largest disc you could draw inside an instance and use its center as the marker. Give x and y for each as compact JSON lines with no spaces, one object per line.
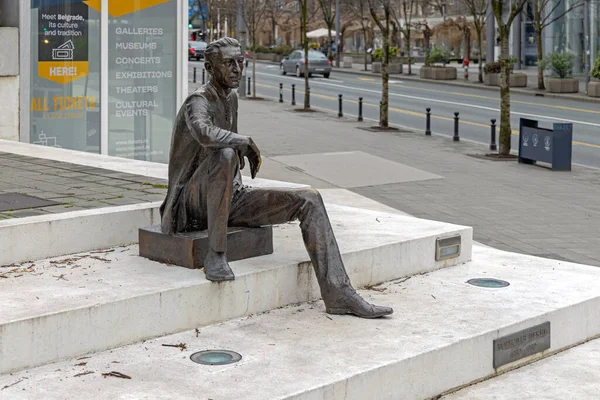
{"x":196,"y":50}
{"x":317,"y":63}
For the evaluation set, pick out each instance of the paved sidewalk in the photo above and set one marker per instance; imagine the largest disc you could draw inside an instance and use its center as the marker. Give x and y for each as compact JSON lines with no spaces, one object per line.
{"x":72,"y":186}
{"x":521,"y":208}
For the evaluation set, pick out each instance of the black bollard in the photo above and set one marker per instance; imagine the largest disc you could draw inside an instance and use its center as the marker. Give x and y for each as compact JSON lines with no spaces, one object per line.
{"x":493,"y":136}
{"x":203,"y":76}
{"x":293,"y":94}
{"x":456,"y":138}
{"x":194,"y":75}
{"x":281,"y":92}
{"x":360,"y":118}
{"x":249,"y":93}
{"x":428,"y":122}
{"x":340,"y":113}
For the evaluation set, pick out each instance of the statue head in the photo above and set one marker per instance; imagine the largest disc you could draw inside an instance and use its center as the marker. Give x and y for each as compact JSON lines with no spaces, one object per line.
{"x":224,"y":61}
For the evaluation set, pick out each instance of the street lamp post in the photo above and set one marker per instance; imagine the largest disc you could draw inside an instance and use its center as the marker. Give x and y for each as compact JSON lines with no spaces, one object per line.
{"x":586,"y":42}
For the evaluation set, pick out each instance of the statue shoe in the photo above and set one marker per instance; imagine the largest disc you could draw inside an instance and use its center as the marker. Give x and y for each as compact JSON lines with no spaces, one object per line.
{"x":219,"y":274}
{"x":356,"y":305}
{"x":216,"y":267}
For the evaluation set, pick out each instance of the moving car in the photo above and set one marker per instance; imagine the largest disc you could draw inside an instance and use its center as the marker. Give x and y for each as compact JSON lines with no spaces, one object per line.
{"x":196,"y":50}
{"x":317,"y":63}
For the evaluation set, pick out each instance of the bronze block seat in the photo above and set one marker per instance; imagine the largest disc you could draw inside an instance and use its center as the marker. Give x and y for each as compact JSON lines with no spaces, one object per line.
{"x":189,"y":249}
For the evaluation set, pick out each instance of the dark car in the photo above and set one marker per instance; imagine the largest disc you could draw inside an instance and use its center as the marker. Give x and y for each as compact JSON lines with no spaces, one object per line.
{"x":317,"y":63}
{"x":196,"y":50}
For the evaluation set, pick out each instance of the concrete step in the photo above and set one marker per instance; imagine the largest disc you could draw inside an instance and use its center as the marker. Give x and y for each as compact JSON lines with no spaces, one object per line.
{"x":439,"y":338}
{"x":572,"y":374}
{"x":67,"y":307}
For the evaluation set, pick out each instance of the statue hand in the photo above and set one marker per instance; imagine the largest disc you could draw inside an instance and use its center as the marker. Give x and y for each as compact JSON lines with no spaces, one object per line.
{"x":253,"y":154}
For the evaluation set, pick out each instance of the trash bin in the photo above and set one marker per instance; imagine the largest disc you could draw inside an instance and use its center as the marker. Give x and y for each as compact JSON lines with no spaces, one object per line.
{"x":553,"y":146}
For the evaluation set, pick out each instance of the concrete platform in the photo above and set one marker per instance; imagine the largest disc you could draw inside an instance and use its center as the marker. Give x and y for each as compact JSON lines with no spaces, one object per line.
{"x":67,"y":307}
{"x":440,"y":337}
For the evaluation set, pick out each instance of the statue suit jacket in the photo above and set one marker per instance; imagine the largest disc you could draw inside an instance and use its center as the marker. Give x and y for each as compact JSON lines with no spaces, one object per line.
{"x":205,"y":122}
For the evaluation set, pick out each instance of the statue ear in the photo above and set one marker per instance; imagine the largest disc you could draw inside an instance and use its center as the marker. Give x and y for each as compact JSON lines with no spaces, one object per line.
{"x":208,"y":67}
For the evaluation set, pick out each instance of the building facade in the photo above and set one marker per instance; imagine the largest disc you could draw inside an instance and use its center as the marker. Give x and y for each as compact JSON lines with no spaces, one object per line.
{"x":101,"y":76}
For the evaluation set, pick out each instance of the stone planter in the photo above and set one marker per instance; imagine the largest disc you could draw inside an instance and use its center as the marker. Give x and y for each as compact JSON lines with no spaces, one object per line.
{"x":594,"y":89}
{"x":269,"y":57}
{"x":516,"y":80}
{"x":566,"y":85}
{"x":376,"y":67}
{"x":438,"y":73}
{"x":394,"y":68}
{"x":347,"y":62}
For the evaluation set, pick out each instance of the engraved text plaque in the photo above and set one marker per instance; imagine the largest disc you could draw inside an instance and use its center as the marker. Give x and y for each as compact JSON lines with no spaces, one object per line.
{"x":521,"y":344}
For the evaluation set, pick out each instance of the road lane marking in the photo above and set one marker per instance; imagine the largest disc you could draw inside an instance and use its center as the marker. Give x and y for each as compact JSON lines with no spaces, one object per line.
{"x":456,"y":103}
{"x":476,"y":96}
{"x":416,"y":114}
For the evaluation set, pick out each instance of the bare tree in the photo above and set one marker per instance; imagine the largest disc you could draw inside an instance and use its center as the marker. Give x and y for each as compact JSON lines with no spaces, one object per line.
{"x":375,"y":8}
{"x":505,"y":13}
{"x":328,"y":9}
{"x":253,"y":12}
{"x":407,"y":10}
{"x":303,"y":27}
{"x":359,"y":10}
{"x":427,"y":34}
{"x":205,"y":8}
{"x":275,"y":13}
{"x":478,"y":9}
{"x":543,"y":15}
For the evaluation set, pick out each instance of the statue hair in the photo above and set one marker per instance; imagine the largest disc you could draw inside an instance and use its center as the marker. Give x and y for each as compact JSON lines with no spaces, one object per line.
{"x":213,"y":50}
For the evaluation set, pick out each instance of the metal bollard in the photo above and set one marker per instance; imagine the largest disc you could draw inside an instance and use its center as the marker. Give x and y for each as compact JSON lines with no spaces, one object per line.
{"x":249,"y":93}
{"x":293,"y":94}
{"x":360,"y":117}
{"x":428,"y":121}
{"x":493,"y":135}
{"x":340,"y":113}
{"x":456,"y":138}
{"x":281,"y":92}
{"x":308,"y":94}
{"x":194,"y":75}
{"x":203,"y":76}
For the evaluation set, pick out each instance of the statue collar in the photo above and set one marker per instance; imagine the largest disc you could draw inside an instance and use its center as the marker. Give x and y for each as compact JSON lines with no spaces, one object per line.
{"x":224,"y":94}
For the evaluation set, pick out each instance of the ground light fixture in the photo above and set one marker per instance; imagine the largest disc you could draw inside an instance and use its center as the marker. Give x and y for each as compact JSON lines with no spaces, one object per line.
{"x":488,"y":283}
{"x":216,"y":357}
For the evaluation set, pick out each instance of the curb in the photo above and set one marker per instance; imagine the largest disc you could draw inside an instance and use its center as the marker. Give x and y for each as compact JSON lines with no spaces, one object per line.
{"x":477,"y":86}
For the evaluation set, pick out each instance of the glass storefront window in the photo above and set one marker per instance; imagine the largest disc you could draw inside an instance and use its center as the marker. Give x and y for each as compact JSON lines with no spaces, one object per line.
{"x":65,"y":75}
{"x":142,"y":82}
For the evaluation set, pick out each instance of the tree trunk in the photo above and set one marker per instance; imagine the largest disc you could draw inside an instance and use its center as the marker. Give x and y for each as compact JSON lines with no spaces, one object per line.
{"x":254,"y":72}
{"x":479,"y":44}
{"x":468,"y":43}
{"x":365,"y":47}
{"x":505,"y":129}
{"x":538,"y":34}
{"x":329,"y":50}
{"x":274,"y":29}
{"x":407,"y":48}
{"x":383,"y":118}
{"x":305,"y":39}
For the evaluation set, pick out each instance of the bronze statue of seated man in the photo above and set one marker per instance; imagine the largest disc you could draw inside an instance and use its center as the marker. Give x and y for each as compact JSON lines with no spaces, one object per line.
{"x":206,"y":190}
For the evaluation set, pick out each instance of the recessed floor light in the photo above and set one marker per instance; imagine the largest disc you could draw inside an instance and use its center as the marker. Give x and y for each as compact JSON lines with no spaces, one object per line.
{"x":216,"y":357}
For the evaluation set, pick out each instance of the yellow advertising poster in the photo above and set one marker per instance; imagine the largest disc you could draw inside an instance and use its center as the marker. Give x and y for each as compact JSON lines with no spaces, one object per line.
{"x":118,"y":8}
{"x":63,"y":42}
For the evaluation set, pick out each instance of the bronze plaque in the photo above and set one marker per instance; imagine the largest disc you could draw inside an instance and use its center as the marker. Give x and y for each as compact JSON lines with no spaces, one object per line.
{"x":521,"y":344}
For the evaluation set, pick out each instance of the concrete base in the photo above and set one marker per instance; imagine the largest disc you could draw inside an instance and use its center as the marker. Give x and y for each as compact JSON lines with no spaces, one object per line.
{"x":567,"y":85}
{"x":439,"y":338}
{"x":347,"y":62}
{"x":189,"y":249}
{"x":71,"y":306}
{"x":594,"y":89}
{"x":376,"y":67}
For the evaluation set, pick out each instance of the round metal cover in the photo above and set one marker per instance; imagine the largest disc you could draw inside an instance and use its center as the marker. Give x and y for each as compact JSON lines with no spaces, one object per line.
{"x":488,"y":282}
{"x":216,"y":357}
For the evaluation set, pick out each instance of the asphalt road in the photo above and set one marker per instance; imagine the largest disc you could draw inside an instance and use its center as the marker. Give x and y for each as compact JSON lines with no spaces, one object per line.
{"x":408,"y":101}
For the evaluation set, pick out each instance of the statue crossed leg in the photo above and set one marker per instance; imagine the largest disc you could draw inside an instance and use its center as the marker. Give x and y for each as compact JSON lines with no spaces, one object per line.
{"x":212,"y":200}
